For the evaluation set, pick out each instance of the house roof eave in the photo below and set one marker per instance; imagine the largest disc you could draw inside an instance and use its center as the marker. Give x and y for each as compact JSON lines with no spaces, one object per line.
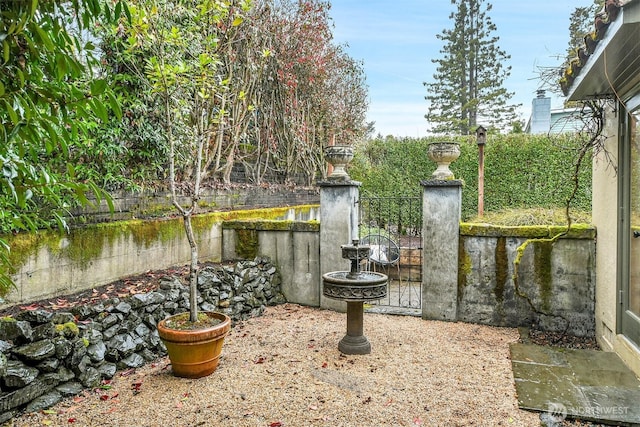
{"x":612,"y":68}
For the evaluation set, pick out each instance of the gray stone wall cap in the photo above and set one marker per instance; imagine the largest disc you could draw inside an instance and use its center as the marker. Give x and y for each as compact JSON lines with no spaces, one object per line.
{"x":339,"y":183}
{"x":441,"y":183}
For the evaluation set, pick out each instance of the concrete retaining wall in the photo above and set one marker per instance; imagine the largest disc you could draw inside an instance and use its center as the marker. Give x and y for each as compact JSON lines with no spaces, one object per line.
{"x":555,"y":288}
{"x":558,"y":280}
{"x":154,"y":204}
{"x":49,"y":264}
{"x":294,"y":247}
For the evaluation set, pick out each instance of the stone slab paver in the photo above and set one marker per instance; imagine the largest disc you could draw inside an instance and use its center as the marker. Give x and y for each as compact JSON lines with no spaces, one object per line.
{"x":589,"y":385}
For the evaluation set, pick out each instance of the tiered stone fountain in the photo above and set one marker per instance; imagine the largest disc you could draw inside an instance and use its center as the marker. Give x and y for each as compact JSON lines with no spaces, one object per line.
{"x":355,"y":287}
{"x":339,"y":195}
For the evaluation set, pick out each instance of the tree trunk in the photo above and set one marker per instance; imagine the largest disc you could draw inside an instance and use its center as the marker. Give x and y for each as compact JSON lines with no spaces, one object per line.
{"x":193,"y":267}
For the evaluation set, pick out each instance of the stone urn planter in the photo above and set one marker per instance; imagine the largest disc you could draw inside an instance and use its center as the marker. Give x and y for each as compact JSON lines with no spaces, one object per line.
{"x":443,"y":153}
{"x":194,"y":351}
{"x":339,"y":157}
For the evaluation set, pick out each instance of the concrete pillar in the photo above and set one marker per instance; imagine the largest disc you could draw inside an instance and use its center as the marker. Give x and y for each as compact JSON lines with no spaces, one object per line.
{"x":338,"y":211}
{"x":441,"y":211}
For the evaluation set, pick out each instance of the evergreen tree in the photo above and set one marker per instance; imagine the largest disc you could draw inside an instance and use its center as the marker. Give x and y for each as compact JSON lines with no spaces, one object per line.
{"x":467,"y":88}
{"x":580,"y":24}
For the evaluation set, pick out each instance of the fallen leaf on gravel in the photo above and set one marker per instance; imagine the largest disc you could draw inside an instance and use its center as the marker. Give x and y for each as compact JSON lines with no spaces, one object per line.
{"x":298,"y":378}
{"x":71,"y":420}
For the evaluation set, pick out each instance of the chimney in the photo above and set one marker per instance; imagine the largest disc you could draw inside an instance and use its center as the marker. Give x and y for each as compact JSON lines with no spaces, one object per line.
{"x":541,"y":113}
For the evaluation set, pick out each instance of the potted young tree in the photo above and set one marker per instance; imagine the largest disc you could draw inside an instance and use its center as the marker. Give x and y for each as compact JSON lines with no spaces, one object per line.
{"x":182,"y":42}
{"x":194,"y":348}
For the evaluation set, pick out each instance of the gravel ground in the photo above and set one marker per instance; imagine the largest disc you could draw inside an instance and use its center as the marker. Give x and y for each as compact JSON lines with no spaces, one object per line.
{"x":284,"y":369}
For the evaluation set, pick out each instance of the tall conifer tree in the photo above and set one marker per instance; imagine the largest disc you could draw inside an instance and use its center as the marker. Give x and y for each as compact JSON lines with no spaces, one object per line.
{"x":467,"y":88}
{"x":581,"y":22}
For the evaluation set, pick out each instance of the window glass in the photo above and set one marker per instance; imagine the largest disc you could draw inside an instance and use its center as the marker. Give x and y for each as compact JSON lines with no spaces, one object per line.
{"x":634,"y":277}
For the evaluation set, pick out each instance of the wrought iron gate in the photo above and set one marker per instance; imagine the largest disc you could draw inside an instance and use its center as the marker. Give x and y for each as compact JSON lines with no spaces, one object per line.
{"x":392,"y":227}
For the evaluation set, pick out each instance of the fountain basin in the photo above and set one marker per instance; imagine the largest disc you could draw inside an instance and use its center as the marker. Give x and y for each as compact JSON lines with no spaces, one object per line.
{"x":345,"y":286}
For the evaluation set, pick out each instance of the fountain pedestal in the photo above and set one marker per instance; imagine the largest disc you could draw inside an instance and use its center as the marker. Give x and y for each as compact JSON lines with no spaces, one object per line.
{"x":354,"y":342}
{"x":355,"y":287}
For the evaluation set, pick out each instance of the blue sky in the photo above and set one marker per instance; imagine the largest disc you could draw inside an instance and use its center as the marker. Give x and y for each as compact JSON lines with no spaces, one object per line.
{"x":396,"y":40}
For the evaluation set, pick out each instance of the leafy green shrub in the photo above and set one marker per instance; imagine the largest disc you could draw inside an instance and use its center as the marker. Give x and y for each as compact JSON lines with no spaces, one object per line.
{"x":521,"y":171}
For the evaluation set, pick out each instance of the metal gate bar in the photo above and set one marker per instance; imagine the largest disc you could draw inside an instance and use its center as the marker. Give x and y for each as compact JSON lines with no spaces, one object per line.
{"x":392,"y":227}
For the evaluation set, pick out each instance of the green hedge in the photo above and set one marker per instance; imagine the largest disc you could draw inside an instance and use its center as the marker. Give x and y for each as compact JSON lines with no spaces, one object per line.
{"x":521,"y":171}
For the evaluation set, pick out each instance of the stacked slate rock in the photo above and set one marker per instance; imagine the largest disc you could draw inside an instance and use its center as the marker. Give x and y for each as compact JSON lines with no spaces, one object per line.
{"x":47,"y":356}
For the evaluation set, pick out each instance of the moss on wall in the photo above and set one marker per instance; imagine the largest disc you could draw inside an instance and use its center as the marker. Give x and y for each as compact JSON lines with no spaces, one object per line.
{"x":247,"y":243}
{"x":22,"y":246}
{"x":542,"y":270}
{"x":69,"y":329}
{"x":260,"y":225}
{"x":147,"y":233}
{"x":82,"y":245}
{"x":86,"y":244}
{"x":157,"y":204}
{"x":502,"y":268}
{"x":465,"y":265}
{"x":578,"y":231}
{"x":265,"y":214}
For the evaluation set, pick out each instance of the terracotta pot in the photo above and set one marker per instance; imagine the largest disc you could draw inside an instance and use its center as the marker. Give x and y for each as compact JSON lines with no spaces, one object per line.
{"x":195,"y":353}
